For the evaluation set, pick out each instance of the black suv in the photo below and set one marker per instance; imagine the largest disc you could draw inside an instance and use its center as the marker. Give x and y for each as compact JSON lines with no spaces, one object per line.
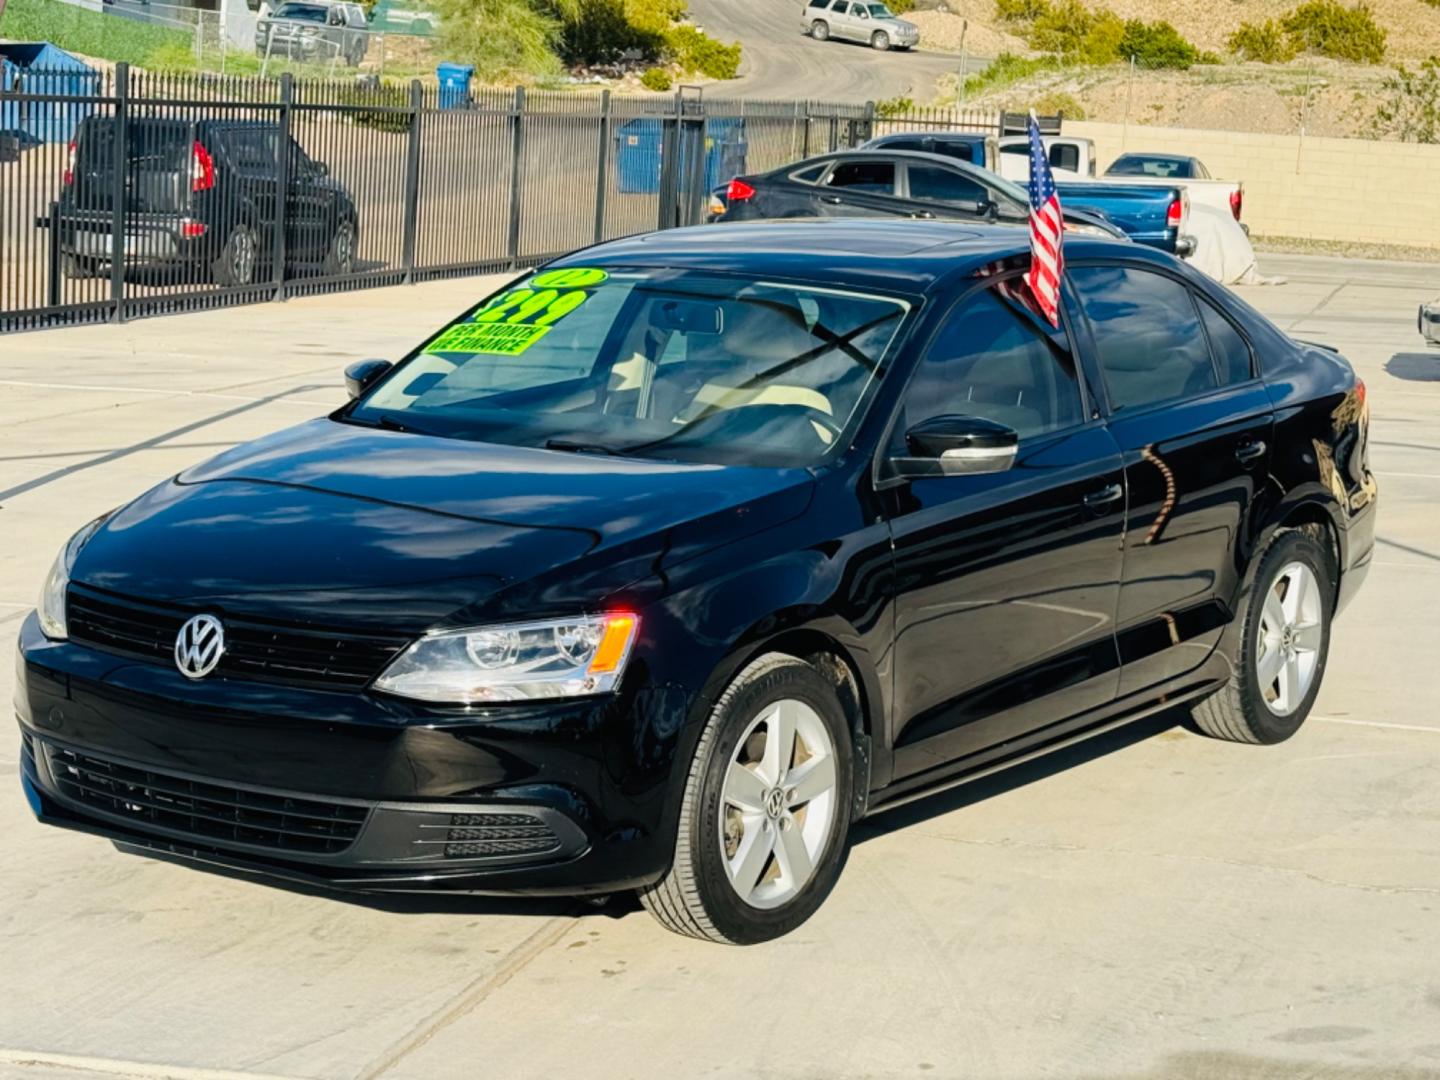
{"x":201,"y":195}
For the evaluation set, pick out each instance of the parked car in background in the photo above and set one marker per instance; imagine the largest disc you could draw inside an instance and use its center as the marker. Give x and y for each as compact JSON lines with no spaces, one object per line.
{"x":1165,"y":166}
{"x":865,"y":21}
{"x":1429,"y":322}
{"x":200,"y":196}
{"x":1158,"y":219}
{"x":665,"y":565}
{"x":886,"y":183}
{"x":1162,"y":170}
{"x":1070,"y":158}
{"x":403,"y":18}
{"x":315,"y":31}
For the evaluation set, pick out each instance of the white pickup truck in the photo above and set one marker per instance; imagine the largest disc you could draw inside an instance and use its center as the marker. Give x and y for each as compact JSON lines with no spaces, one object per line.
{"x":1073,"y":158}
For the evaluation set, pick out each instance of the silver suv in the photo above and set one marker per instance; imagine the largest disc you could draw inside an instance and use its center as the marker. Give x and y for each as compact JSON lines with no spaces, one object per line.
{"x":857,"y":20}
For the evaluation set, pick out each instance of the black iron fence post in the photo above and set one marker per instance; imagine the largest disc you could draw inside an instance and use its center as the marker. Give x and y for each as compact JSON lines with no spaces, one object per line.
{"x":602,"y":166}
{"x":805,"y":143}
{"x":117,"y":192}
{"x":412,"y":180}
{"x":282,"y":185}
{"x":517,"y":175}
{"x":669,"y":161}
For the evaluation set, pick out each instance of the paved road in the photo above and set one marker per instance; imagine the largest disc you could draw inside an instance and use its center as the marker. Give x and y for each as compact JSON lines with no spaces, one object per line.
{"x":1156,"y":905}
{"x":778,"y":62}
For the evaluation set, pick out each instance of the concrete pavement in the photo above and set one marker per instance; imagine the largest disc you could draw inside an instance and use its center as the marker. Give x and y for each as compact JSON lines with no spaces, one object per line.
{"x":1154,"y":904}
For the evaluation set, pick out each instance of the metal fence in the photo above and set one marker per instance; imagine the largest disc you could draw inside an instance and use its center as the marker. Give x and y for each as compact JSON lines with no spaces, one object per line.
{"x":381,"y":184}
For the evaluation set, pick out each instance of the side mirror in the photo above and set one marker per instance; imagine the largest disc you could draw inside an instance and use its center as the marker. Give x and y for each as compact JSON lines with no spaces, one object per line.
{"x":956,"y":446}
{"x":363,"y":374}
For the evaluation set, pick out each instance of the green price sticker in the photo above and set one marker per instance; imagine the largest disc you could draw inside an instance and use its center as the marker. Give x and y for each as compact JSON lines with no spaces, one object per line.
{"x":497,"y":339}
{"x":513,"y":321}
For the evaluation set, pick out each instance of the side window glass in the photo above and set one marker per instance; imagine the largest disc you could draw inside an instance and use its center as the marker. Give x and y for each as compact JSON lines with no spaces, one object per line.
{"x":994,"y":359}
{"x":1232,"y":352}
{"x":840,"y":7}
{"x":1148,"y":339}
{"x":933,"y":182}
{"x":876,"y":176}
{"x":810,"y":175}
{"x":1065,"y":156}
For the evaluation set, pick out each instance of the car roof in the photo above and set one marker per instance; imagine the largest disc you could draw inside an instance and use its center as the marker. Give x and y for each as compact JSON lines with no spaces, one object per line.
{"x":886,"y":255}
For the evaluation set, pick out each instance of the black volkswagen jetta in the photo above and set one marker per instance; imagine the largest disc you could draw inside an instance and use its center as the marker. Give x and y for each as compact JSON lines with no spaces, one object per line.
{"x":663,"y":566}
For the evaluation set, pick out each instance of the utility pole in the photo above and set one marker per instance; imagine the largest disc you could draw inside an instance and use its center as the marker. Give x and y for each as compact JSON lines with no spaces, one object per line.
{"x":959,"y":83}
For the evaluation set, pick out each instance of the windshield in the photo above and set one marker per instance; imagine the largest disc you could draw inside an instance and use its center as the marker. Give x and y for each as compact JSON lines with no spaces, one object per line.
{"x":304,"y":12}
{"x":652,"y":363}
{"x":1162,"y":167}
{"x":879,"y":11}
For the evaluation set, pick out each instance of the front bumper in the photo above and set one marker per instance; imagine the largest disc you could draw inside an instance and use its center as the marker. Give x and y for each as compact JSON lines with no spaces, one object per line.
{"x":345,"y":790}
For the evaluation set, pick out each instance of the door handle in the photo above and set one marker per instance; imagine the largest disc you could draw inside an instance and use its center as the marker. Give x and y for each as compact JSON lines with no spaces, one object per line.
{"x":1250,"y":451}
{"x":1098,"y":500}
{"x":833,"y":200}
{"x":922,"y":214}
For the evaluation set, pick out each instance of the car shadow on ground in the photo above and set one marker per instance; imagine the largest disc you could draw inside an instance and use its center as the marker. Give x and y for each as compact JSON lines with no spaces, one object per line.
{"x":1415,"y":366}
{"x":1018,"y":776}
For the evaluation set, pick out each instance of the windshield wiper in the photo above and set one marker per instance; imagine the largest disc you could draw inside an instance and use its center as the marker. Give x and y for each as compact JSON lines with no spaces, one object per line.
{"x":574,"y":446}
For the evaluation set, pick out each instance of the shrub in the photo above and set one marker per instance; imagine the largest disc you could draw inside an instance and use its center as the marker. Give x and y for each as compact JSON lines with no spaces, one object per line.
{"x":598,"y":31}
{"x":1101,"y":44}
{"x":1020,"y":11}
{"x":1062,"y":28}
{"x":388,"y":95}
{"x":655,"y":78}
{"x":902,"y":7}
{"x":1333,"y":30}
{"x":500,"y":37}
{"x":1157,"y":45}
{"x":1057,"y":101}
{"x":695,"y":52}
{"x":1412,"y":110}
{"x":1265,"y":42}
{"x":1008,"y":68}
{"x":893,"y":107}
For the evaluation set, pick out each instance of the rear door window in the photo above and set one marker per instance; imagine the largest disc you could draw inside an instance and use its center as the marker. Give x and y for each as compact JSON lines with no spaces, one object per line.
{"x":877,"y":177}
{"x":811,"y":175}
{"x":1233,"y":357}
{"x":932,"y":182}
{"x":1148,"y":338}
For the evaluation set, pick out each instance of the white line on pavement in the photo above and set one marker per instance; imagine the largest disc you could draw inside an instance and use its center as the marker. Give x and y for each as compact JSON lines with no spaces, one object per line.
{"x":1378,"y":724}
{"x":28,"y":1059}
{"x":152,"y":391}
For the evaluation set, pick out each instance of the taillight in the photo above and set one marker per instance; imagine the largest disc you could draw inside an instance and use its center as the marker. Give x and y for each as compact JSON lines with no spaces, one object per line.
{"x":1360,"y":396}
{"x":192,"y":229}
{"x":1175,"y":215}
{"x":1237,"y":202}
{"x":202,"y":169}
{"x":739,"y":191}
{"x":69,"y":176}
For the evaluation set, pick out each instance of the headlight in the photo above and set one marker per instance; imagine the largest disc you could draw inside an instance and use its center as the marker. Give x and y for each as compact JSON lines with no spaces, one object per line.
{"x":51,"y":609}
{"x":561,"y":658}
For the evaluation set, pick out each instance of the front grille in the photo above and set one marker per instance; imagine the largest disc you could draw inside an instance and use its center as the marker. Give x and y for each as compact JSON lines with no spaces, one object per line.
{"x":498,"y":834}
{"x":205,"y":809}
{"x":254,"y":649}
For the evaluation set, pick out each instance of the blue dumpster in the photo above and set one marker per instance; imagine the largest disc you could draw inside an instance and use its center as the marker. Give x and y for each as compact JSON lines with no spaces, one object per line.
{"x":639,"y":153}
{"x":455,"y":85}
{"x":41,"y":68}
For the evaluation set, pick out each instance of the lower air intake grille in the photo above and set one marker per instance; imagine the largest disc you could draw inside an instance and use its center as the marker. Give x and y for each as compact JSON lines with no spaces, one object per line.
{"x":498,"y":834}
{"x":204,"y":809}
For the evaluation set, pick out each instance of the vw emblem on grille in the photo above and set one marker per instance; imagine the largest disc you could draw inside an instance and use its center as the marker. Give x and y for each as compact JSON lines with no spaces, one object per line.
{"x":199,"y":646}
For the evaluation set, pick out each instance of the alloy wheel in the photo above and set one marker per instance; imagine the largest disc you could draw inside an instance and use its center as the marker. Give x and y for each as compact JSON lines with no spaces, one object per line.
{"x":778,"y":804}
{"x":1287,"y":653}
{"x":242,"y":256}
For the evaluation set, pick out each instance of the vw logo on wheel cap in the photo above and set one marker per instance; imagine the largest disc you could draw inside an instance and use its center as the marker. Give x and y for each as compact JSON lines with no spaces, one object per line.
{"x":199,"y":646}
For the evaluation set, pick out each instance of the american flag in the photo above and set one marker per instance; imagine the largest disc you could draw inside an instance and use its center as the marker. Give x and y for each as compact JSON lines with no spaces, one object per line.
{"x":1047,"y":259}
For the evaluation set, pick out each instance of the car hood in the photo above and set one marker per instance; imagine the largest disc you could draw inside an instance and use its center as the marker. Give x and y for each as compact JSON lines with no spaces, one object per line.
{"x":898,"y":24}
{"x":336,"y":523}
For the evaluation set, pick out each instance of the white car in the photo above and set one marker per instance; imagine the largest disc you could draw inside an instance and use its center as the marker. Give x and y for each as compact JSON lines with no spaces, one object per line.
{"x":858,"y":20}
{"x":1429,"y":322}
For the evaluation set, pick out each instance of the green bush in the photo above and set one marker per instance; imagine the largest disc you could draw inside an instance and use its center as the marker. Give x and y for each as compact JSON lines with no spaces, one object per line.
{"x":904,"y":7}
{"x":698,"y":52}
{"x":890,"y":108}
{"x":502,"y":38}
{"x":655,"y":78}
{"x":1057,"y":101}
{"x":1266,"y":42}
{"x":1020,"y":11}
{"x":1412,"y":108}
{"x":1157,"y":45}
{"x":1007,"y":68}
{"x":598,"y":31}
{"x":1062,"y":28}
{"x":1333,"y":30}
{"x":386,"y":95}
{"x":91,"y":33}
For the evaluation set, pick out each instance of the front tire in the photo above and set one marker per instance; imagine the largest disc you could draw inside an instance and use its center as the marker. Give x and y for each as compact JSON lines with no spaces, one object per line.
{"x":765,"y":814}
{"x":880,"y":41}
{"x":819,"y":30}
{"x":1284,"y":644}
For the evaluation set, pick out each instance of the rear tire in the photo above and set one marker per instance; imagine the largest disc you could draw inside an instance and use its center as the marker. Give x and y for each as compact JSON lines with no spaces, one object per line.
{"x":238,"y":259}
{"x":820,"y":30}
{"x":880,"y":41}
{"x":340,"y":258}
{"x":1284,"y":644}
{"x":765,"y":814}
